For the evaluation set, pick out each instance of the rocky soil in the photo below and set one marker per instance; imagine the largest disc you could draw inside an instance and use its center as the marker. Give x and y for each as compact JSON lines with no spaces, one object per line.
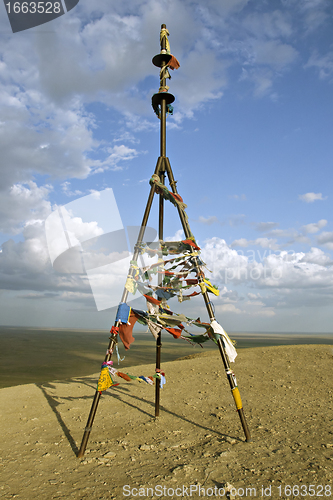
{"x":195,"y":449}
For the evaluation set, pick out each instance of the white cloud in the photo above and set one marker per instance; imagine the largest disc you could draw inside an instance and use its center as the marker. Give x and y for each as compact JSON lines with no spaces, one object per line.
{"x":253,"y":296}
{"x":235,"y":220}
{"x":326,"y":239}
{"x":266,"y":313}
{"x":306,"y":5}
{"x":21,"y":203}
{"x":317,"y":256}
{"x":67,"y":190}
{"x":42,"y":138}
{"x":262,"y":79}
{"x":208,"y":220}
{"x":97,"y":53}
{"x":283,"y":233}
{"x":312,"y":13}
{"x":273,"y":24}
{"x":101,"y":53}
{"x":29,"y":256}
{"x":263,"y":227}
{"x":26,"y":265}
{"x":292,"y":235}
{"x":106,"y":61}
{"x":280,"y":270}
{"x":273,"y":53}
{"x":263,"y":82}
{"x":267,"y":243}
{"x":265,"y":53}
{"x":227,"y":7}
{"x":300,"y":238}
{"x":207,"y":84}
{"x":273,"y":277}
{"x":45,"y":86}
{"x":241,"y":242}
{"x":323,"y":64}
{"x":262,"y":242}
{"x":116,"y":155}
{"x":311,"y":197}
{"x":230,"y":308}
{"x":77,"y":229}
{"x":38,"y":138}
{"x":178,"y":236}
{"x":314,"y":227}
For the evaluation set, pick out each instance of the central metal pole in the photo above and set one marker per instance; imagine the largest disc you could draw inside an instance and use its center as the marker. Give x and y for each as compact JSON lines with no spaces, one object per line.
{"x":161,"y":222}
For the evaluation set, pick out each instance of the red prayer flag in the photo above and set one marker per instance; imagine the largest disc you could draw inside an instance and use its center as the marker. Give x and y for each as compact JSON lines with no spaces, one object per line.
{"x":177,"y":197}
{"x":125,"y":331}
{"x":173,"y":63}
{"x":192,"y":281}
{"x":124,"y":376}
{"x":190,"y":242}
{"x":175,"y":332}
{"x":152,"y":300}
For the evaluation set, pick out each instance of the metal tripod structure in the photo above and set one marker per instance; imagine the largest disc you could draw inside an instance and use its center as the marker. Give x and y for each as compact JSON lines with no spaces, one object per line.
{"x":160,"y":101}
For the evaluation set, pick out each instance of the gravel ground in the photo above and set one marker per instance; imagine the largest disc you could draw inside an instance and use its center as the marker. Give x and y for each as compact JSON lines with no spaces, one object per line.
{"x":195,"y":449}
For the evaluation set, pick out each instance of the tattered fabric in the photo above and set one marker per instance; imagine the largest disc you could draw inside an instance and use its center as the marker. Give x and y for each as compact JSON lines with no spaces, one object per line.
{"x":126,"y":329}
{"x":228,"y":345}
{"x":173,"y":63}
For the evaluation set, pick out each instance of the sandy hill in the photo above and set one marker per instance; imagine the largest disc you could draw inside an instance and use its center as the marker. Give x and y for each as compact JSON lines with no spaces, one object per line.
{"x":198,"y":439}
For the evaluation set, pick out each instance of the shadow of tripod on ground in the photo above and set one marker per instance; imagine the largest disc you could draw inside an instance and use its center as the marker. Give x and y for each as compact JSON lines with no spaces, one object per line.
{"x":53,"y":403}
{"x":119,"y":393}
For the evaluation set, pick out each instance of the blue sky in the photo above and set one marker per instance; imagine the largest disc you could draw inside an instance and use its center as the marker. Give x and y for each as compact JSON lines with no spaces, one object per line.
{"x":250,"y":143}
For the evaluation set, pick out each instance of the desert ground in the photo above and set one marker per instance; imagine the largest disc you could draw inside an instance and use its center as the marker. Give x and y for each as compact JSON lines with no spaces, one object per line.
{"x":195,"y":449}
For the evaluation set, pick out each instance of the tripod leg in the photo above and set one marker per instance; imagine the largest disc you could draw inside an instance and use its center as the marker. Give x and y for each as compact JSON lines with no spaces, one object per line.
{"x":234,"y":390}
{"x":90,"y":422}
{"x":93,"y":410}
{"x":230,"y":375}
{"x":113,"y":340}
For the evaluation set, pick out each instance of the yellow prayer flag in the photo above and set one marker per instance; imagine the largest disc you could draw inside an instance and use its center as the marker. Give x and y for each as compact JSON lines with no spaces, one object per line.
{"x":105,"y":380}
{"x":130,"y":285}
{"x":211,"y":288}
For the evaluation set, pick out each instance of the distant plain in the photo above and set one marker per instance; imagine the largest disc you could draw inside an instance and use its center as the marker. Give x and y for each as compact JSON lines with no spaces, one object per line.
{"x":31,"y":355}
